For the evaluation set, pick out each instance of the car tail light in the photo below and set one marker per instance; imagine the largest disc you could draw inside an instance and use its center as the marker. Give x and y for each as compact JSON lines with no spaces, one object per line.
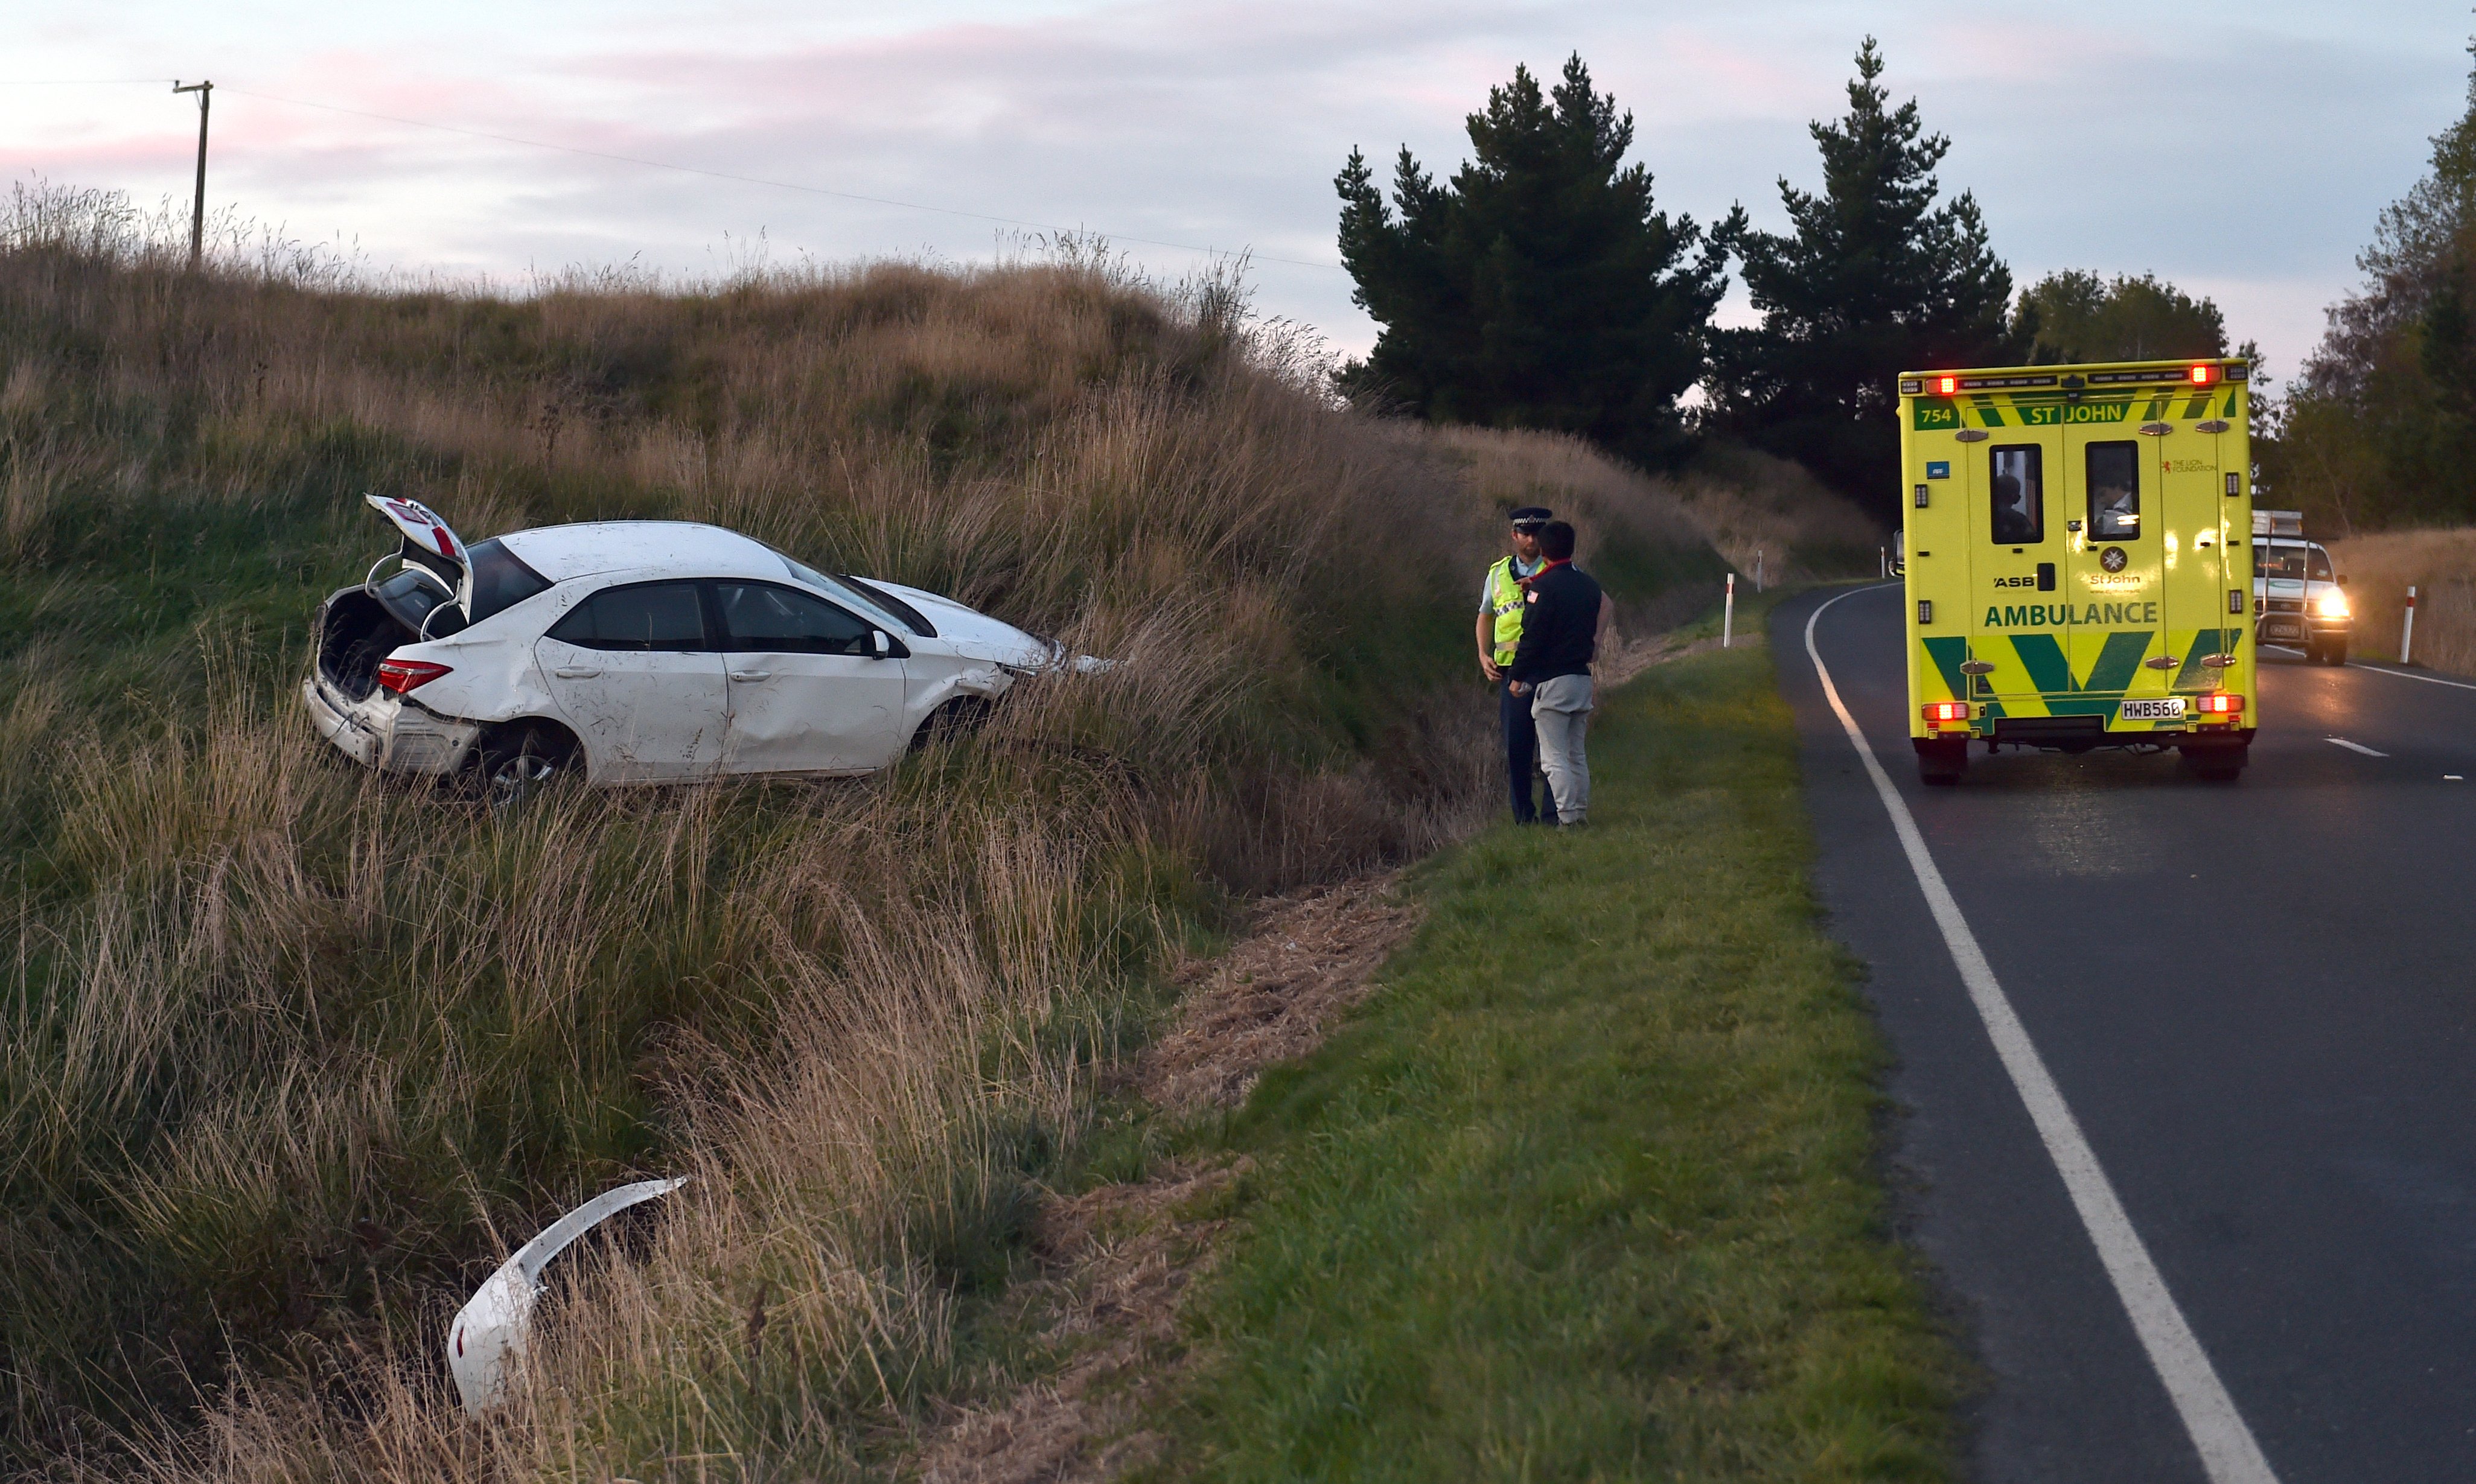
{"x":405,"y":675}
{"x":1938,"y":712}
{"x":2221,"y":705}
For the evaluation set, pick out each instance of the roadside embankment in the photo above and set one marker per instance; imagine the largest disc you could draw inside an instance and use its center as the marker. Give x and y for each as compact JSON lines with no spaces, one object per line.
{"x":2441,"y":564}
{"x":290,"y":1058}
{"x":1586,"y":1188}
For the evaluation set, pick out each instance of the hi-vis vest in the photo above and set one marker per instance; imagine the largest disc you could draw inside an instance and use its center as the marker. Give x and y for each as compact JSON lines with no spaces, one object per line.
{"x":1504,"y":597}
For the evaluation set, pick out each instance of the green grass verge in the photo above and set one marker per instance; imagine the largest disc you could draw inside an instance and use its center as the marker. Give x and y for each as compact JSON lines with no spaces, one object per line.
{"x":1587,"y":1190}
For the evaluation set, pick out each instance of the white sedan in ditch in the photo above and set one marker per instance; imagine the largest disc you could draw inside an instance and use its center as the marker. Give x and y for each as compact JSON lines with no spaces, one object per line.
{"x":639,"y":652}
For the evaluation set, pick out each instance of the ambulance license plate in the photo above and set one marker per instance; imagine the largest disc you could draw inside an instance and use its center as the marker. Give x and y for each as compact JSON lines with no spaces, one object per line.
{"x":2170,"y":709}
{"x":2287,"y":631}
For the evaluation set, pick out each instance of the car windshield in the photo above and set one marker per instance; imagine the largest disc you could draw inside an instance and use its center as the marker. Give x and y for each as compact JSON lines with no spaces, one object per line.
{"x":845,"y":593}
{"x":2291,"y":560}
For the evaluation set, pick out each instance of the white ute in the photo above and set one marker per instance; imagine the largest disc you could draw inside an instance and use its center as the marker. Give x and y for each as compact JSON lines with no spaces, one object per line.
{"x":639,"y":652}
{"x":2295,"y":595}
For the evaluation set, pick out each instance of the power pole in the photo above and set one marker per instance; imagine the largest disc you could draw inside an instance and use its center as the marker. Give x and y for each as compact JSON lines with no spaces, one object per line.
{"x":198,"y":208}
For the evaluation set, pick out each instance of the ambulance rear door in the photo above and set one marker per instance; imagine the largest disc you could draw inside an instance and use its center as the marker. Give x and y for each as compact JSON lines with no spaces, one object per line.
{"x":2115,"y":611}
{"x":2207,"y":550}
{"x":1940,"y":541}
{"x":2016,"y":567}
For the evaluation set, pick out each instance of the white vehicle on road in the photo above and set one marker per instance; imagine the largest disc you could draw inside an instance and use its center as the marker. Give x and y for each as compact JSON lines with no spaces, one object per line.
{"x":639,"y":652}
{"x":2295,"y":595}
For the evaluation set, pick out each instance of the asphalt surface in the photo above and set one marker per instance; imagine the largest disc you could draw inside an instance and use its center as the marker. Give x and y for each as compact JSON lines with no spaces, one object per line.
{"x":2259,"y":999}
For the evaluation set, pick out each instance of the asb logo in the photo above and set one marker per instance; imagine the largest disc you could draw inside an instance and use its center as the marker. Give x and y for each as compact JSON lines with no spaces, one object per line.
{"x":2112,"y":559}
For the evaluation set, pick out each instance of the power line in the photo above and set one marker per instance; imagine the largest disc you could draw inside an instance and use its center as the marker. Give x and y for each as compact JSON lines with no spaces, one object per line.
{"x":750,"y":180}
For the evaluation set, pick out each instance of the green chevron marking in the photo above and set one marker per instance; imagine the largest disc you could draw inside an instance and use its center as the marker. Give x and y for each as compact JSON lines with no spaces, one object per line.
{"x":1947,"y":655}
{"x":2044,"y":658}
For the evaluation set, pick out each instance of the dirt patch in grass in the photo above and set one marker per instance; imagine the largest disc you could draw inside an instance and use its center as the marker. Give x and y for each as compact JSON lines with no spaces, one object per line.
{"x":1273,"y":995}
{"x":1118,"y":1260}
{"x":1123,"y":1258}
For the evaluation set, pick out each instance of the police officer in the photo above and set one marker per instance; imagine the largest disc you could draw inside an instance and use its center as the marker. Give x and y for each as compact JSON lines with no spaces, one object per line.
{"x":1499,"y":634}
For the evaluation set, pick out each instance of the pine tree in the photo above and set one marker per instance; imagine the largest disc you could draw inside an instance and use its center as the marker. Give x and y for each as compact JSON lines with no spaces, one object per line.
{"x":1539,"y":289}
{"x":1874,"y":279}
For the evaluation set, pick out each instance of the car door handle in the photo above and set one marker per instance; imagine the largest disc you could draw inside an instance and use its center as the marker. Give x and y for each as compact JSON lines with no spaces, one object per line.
{"x":752,"y":675}
{"x":576,"y":672}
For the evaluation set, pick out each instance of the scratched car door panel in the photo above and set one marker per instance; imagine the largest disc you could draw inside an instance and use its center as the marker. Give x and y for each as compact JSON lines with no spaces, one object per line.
{"x":810,"y":693}
{"x":641,"y":681}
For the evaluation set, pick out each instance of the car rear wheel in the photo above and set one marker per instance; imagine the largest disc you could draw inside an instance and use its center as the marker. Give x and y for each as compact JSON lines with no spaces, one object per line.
{"x":1942,"y":760}
{"x":517,"y":764}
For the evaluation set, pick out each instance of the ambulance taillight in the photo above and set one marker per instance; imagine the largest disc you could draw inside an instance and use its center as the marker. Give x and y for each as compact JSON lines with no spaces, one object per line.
{"x":2221,"y":704}
{"x":1938,"y":712}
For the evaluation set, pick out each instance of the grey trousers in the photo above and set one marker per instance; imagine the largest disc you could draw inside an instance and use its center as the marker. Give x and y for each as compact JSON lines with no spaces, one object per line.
{"x":1561,"y":709}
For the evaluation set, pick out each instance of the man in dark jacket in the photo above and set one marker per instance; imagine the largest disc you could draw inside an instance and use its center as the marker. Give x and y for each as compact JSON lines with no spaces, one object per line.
{"x":1563,"y":616}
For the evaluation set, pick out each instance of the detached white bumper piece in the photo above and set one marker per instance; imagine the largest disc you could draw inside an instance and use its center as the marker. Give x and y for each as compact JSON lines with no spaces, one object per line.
{"x":487,"y":1338}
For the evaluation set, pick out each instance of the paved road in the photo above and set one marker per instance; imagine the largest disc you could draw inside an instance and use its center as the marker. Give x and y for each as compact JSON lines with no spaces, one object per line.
{"x":2259,"y":1000}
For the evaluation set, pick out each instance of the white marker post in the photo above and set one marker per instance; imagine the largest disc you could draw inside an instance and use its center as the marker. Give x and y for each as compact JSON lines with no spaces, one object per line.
{"x":1728,"y":613}
{"x":1758,"y":569}
{"x":1883,"y":556}
{"x":2407,"y":630}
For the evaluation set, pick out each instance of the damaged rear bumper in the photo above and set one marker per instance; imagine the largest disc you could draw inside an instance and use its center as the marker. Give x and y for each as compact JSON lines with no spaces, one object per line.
{"x":388,"y":732}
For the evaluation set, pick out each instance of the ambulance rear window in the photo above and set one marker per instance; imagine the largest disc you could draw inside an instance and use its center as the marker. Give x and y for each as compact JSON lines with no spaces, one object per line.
{"x":2018,"y":496}
{"x":2113,"y":491}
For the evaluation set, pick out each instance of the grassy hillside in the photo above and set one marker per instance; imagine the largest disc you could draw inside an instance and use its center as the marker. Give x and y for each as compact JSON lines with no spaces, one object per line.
{"x":2440,"y":565}
{"x":290,"y":1057}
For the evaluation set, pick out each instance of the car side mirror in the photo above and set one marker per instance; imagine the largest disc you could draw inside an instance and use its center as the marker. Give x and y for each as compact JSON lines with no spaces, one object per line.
{"x":882,"y":642}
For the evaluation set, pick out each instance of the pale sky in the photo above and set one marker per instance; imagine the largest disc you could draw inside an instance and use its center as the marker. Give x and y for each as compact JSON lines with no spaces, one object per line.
{"x":2240,"y":150}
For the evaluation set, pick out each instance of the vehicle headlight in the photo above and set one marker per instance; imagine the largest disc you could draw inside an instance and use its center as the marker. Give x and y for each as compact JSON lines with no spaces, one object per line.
{"x":2332,"y":604}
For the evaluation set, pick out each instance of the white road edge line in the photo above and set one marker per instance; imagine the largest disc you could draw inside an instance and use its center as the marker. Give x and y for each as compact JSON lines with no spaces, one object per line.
{"x":2228,"y":1452}
{"x":2357,"y":665}
{"x":2354,"y":747}
{"x":2410,"y":675}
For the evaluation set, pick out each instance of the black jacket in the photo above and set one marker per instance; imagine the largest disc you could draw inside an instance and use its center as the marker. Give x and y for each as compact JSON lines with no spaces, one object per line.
{"x":1560,"y":625}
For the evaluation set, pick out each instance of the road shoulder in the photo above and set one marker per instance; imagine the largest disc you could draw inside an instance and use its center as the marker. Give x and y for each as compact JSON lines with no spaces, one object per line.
{"x":1589,"y":1185}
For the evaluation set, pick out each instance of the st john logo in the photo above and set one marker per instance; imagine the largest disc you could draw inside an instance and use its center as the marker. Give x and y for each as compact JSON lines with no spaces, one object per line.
{"x":2112,"y":559}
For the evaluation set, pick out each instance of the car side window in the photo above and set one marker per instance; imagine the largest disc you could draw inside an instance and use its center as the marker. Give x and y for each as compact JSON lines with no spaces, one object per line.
{"x":664,"y":616}
{"x":759,"y":617}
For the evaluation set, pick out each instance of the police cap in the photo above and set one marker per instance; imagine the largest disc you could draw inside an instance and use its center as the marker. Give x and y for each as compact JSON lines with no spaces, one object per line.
{"x":1530,"y":517}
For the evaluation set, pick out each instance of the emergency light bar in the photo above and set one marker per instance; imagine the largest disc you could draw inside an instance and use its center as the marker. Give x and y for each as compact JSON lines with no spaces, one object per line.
{"x":2203,"y":374}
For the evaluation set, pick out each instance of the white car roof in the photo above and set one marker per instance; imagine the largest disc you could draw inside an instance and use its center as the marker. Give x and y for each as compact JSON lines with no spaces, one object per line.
{"x":563,"y":552}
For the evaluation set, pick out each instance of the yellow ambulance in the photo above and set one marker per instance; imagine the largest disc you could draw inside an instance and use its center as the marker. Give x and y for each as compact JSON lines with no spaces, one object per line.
{"x":2079,"y":561}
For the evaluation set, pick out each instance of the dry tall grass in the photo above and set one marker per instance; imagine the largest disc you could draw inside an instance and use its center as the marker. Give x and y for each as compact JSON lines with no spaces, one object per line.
{"x":2440,"y":565}
{"x":1769,"y":513}
{"x":290,"y":1057}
